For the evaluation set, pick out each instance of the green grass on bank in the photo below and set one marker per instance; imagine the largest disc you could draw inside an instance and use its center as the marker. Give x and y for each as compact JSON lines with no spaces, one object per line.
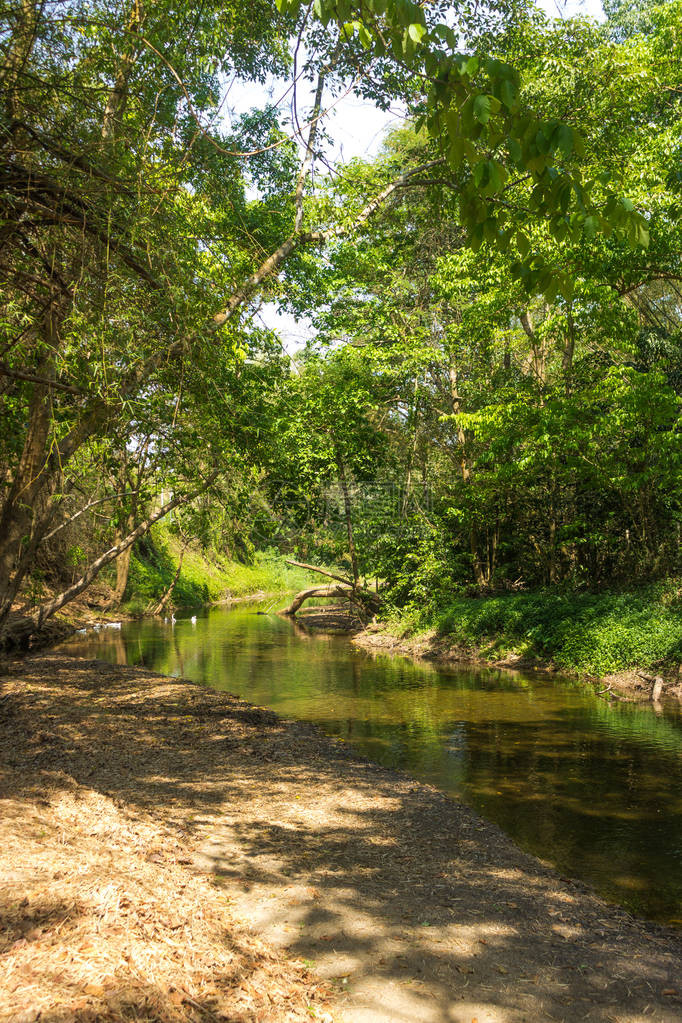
{"x":202,"y":581}
{"x":594,"y":634}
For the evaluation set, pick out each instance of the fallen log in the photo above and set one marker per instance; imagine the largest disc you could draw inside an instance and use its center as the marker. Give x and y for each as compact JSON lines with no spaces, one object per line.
{"x":363,"y":599}
{"x":336,"y":590}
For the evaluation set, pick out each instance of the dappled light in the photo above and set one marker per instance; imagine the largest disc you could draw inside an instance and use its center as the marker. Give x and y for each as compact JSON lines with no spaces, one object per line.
{"x":572,"y":779}
{"x":404,"y":901}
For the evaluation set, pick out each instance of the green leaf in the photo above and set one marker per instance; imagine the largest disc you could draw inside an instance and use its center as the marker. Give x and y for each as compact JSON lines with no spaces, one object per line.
{"x":456,"y":152}
{"x":445,"y":33}
{"x":564,"y":139}
{"x":497,"y":176}
{"x":417,"y":32}
{"x":508,"y":93}
{"x":481,"y":173}
{"x":522,"y":244}
{"x":482,"y":109}
{"x":550,"y":289}
{"x":566,"y":286}
{"x":542,"y":142}
{"x":364,"y":35}
{"x":591,"y":226}
{"x":643,"y":234}
{"x":515,"y":151}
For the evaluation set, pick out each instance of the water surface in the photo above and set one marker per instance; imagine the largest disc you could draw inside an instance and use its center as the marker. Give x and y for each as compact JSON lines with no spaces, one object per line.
{"x":594,"y":789}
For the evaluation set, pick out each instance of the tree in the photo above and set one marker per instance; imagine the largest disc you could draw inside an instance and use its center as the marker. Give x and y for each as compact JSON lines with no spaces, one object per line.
{"x":126,"y":211}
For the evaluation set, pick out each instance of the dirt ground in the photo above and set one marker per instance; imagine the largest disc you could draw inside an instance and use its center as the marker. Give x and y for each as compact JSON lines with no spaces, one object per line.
{"x":168,"y":852}
{"x":430,"y":646}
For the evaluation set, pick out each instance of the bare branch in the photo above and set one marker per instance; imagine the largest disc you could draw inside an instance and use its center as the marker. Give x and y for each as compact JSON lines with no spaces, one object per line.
{"x":93,"y":570}
{"x":309,"y":153}
{"x":86,"y":507}
{"x":403,"y":181}
{"x":322,"y":571}
{"x":33,"y":378}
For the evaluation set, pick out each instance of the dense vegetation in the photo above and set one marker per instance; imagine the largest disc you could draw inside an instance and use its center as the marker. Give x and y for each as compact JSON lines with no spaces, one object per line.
{"x":591,"y":633}
{"x":489,"y":402}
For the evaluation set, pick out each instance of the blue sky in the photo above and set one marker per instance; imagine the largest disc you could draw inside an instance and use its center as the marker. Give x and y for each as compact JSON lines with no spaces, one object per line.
{"x":357,"y":128}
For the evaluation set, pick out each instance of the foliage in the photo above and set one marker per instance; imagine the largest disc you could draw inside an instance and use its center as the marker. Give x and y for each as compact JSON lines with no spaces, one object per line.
{"x":537,"y":439}
{"x":592,"y":633}
{"x":202,"y":580}
{"x":472,"y":105}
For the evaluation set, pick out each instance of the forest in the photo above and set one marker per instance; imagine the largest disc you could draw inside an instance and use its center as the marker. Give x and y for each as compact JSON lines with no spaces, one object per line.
{"x":488,"y":399}
{"x":375,"y":304}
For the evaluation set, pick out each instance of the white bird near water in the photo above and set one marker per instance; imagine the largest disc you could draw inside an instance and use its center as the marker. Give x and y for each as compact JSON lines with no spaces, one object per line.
{"x":193,"y":619}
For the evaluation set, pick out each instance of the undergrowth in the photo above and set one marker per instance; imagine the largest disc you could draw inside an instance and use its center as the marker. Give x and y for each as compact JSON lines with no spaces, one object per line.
{"x":202,"y":580}
{"x":595,"y":634}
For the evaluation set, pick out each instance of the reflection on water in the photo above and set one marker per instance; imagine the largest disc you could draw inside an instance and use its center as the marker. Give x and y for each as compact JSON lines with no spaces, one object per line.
{"x":594,"y":789}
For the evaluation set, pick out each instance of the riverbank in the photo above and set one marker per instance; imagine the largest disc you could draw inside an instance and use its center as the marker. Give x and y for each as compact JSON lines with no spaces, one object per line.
{"x":624,"y":642}
{"x":157,"y":566}
{"x":631,"y":684}
{"x":199,"y":579}
{"x":170,"y":852}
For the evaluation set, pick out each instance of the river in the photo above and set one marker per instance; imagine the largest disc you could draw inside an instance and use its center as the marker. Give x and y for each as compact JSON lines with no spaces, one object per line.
{"x":591,"y":787}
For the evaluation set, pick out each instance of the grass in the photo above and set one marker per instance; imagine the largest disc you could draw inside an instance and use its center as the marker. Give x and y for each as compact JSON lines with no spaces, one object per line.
{"x":593,"y":634}
{"x":202,"y":580}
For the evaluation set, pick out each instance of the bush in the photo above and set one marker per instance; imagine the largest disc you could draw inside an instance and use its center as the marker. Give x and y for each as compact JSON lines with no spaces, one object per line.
{"x":591,"y":633}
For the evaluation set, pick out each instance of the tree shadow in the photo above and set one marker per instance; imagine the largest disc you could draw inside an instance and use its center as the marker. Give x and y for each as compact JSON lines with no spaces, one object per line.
{"x":416,"y":907}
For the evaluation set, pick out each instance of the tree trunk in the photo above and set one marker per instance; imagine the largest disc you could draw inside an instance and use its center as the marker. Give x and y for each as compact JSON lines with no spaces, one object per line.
{"x":569,"y":352}
{"x":23,"y":41}
{"x":349,"y":523}
{"x":20,"y":513}
{"x":539,"y":354}
{"x":456,"y":403}
{"x":413,"y":448}
{"x":118,"y":97}
{"x":122,"y":572}
{"x":169,"y":589}
{"x":316,"y":591}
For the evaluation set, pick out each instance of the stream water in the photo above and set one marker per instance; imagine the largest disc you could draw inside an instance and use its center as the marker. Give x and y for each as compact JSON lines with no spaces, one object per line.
{"x":593,"y":788}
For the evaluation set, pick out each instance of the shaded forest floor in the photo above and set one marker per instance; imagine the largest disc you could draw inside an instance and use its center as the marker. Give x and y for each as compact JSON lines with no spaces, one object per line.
{"x":168,"y":852}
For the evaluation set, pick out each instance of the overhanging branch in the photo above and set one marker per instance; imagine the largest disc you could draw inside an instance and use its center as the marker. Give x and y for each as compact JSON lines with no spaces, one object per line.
{"x":299,"y":238}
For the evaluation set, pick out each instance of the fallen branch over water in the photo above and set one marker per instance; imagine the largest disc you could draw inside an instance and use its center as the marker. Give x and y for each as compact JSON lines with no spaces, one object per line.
{"x":322,"y":571}
{"x":367,"y":603}
{"x":317,"y":591}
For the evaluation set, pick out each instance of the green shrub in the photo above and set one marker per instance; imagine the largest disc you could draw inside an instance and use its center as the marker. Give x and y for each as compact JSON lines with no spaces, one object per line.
{"x":591,"y":633}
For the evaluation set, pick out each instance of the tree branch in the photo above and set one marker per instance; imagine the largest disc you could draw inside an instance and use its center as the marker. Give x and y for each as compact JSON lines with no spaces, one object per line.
{"x":93,"y":570}
{"x":33,"y":378}
{"x":322,"y":571}
{"x":275,"y":259}
{"x":309,"y":153}
{"x":81,"y":511}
